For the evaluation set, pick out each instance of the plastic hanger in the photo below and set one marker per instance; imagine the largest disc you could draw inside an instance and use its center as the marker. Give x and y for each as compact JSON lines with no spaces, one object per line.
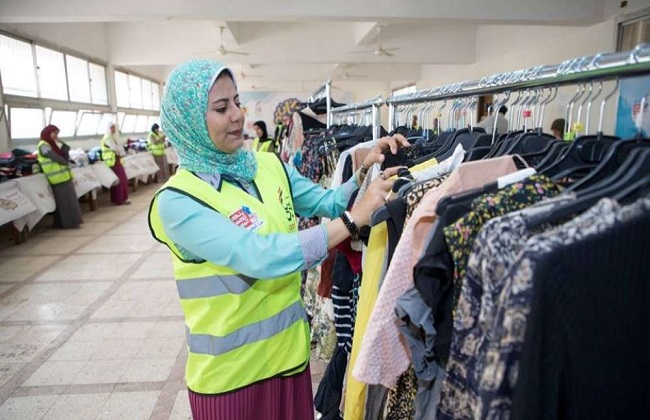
{"x":635,"y":169}
{"x":616,"y":156}
{"x":585,"y":152}
{"x":640,"y":188}
{"x":535,"y":141}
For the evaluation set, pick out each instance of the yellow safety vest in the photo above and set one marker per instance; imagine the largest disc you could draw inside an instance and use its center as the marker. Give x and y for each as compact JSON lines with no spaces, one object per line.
{"x":240,"y":330}
{"x":157,"y":149}
{"x":108,"y":154}
{"x":263,"y":146}
{"x":55,"y":172}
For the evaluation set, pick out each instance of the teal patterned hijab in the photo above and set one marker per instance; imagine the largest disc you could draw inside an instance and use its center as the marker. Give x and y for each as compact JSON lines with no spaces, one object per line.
{"x":182,"y":116}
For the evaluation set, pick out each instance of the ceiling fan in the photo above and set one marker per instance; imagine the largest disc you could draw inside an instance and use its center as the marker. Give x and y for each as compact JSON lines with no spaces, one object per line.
{"x":347,"y":76}
{"x":380,"y":51}
{"x":222,"y":51}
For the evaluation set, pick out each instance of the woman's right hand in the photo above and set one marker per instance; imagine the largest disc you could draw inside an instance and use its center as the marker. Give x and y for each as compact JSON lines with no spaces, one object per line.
{"x":374,"y":197}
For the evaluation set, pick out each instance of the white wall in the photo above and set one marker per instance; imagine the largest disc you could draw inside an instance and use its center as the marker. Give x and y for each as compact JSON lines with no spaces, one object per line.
{"x":506,"y":48}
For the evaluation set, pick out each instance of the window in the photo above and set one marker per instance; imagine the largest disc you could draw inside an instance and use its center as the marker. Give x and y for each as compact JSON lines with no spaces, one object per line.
{"x":147,"y":96}
{"x":155,"y":87}
{"x":78,"y":79}
{"x":141,"y":124}
{"x":152,"y":120}
{"x":51,"y":74}
{"x":120,"y":118}
{"x":135,"y":91}
{"x":26,"y":123}
{"x":122,"y":89}
{"x":98,"y":89}
{"x":404,"y":90}
{"x":634,"y":30}
{"x":89,"y":124}
{"x":105,"y":121}
{"x":128,"y":126}
{"x":66,"y":121}
{"x":17,"y":67}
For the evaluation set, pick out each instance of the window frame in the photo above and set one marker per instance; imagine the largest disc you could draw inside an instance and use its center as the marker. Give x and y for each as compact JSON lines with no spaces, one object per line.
{"x":155,"y":86}
{"x":48,"y":105}
{"x":409,"y":88}
{"x":630,"y":19}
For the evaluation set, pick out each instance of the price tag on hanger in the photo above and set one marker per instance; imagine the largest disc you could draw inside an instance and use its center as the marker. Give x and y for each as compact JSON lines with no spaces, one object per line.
{"x":578,"y":127}
{"x":527,"y":113}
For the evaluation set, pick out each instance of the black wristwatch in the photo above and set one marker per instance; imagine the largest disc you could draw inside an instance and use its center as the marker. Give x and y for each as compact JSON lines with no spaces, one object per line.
{"x":350,"y":225}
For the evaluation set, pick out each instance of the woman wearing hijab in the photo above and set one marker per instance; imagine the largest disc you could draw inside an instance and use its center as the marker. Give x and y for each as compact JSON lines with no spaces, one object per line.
{"x":262,"y":143}
{"x":228,"y":217}
{"x":112,"y":154}
{"x":156,"y":145}
{"x":55,"y":164}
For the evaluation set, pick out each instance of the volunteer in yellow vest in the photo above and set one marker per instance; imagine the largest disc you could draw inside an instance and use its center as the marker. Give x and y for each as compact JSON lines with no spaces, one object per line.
{"x":112,"y":155}
{"x":156,"y":145}
{"x":55,"y":164}
{"x":228,"y":217}
{"x":262,"y":142}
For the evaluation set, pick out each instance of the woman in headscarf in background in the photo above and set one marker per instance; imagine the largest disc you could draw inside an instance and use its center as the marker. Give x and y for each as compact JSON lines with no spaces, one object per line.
{"x":156,"y":145}
{"x":262,"y":142}
{"x":228,"y":216}
{"x":55,"y":161}
{"x":112,"y":154}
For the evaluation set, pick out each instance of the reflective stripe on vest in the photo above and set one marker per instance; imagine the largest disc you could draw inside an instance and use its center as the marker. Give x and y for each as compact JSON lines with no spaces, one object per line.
{"x":55,"y":172}
{"x":241,"y":330}
{"x":213,"y":286}
{"x":214,"y":346}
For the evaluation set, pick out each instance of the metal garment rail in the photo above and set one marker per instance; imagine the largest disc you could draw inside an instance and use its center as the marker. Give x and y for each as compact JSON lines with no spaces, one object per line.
{"x":603,"y":66}
{"x":375,"y":103}
{"x":324,"y":91}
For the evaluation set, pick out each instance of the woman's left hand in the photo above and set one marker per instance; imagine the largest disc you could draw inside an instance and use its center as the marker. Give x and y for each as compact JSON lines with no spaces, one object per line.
{"x":393,"y":143}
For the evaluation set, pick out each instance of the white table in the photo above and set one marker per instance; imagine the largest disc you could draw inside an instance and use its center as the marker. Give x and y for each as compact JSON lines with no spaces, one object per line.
{"x":13,"y":203}
{"x":85,"y":181}
{"x":172,"y":156}
{"x":105,"y":175}
{"x":139,"y":167}
{"x":39,"y":192}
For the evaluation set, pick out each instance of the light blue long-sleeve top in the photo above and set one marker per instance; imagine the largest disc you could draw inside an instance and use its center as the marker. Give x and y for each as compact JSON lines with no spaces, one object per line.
{"x":204,"y":234}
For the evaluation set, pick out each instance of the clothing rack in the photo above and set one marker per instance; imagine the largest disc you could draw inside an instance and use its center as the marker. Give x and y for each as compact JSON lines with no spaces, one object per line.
{"x":603,"y":66}
{"x":375,"y":104}
{"x":325,"y":91}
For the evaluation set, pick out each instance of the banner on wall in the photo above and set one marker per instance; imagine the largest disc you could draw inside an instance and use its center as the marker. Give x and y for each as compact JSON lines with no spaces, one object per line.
{"x":272,"y":106}
{"x":631,"y":93}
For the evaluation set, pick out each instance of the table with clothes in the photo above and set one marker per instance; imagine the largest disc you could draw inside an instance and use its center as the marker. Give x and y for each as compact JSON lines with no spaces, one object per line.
{"x":140,"y":167}
{"x":39,"y":192}
{"x":14,"y":205}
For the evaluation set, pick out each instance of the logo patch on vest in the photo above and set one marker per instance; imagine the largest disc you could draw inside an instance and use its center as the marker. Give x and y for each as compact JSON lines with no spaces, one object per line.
{"x":285,"y":202}
{"x":245,"y":218}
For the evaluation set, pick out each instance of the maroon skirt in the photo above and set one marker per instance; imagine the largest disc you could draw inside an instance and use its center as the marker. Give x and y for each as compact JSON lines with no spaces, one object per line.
{"x":284,"y":398}
{"x":120,"y":192}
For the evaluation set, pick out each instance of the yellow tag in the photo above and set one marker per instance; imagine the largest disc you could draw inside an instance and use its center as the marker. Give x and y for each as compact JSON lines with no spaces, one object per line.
{"x":439,"y":115}
{"x":578,"y":127}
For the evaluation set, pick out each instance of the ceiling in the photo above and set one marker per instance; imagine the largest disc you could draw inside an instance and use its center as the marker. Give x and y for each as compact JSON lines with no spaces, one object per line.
{"x":293,"y":45}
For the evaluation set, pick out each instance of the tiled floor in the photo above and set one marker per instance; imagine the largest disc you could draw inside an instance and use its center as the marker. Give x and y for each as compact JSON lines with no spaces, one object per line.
{"x":90,"y":325}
